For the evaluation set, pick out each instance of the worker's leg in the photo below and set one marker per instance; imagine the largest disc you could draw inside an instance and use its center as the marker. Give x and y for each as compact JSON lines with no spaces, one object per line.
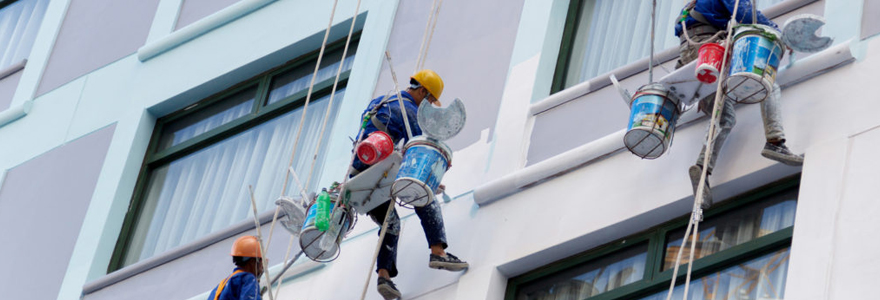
{"x":726,"y":122}
{"x":775,"y":148}
{"x":432,"y":222}
{"x":387,"y":259}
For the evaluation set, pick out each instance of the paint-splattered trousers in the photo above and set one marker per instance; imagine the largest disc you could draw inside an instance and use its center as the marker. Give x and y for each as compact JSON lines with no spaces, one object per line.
{"x":770,"y":108}
{"x":432,"y":224}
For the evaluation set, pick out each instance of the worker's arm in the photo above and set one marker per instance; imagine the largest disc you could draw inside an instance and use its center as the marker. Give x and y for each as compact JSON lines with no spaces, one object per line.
{"x":249,"y":288}
{"x":744,"y":13}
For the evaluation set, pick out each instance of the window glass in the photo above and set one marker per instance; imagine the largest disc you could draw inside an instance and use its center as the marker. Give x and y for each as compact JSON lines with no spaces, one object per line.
{"x":297,"y":80}
{"x":208,"y":190}
{"x":19,"y":23}
{"x":731,"y":229}
{"x":589,"y":279}
{"x":609,"y":34}
{"x":760,"y":278}
{"x":205,"y":119}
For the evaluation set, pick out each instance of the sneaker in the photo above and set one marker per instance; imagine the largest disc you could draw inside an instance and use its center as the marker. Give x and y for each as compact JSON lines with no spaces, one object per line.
{"x":781,"y":154}
{"x":387,"y":289}
{"x":447,"y":262}
{"x":695,"y":172}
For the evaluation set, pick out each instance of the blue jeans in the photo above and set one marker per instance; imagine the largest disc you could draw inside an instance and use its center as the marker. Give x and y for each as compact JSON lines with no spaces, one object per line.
{"x":432,"y":224}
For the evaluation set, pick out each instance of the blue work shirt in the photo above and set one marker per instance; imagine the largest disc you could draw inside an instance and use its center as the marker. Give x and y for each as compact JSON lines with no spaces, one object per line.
{"x":240,"y":286}
{"x":718,"y":13}
{"x":389,"y":114}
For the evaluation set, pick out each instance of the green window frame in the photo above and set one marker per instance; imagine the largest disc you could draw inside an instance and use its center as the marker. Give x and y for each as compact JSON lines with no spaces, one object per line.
{"x":261,"y":112}
{"x":655,"y":278}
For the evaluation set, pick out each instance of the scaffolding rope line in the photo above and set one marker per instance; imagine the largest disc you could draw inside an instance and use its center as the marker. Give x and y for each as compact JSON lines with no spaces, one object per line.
{"x":697,"y":211}
{"x":423,"y":53}
{"x":260,"y":241}
{"x":425,"y":35}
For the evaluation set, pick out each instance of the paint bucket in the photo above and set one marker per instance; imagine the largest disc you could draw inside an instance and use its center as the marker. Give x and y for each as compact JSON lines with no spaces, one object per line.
{"x":376,"y":147}
{"x":757,"y":50}
{"x":653,"y":114}
{"x":310,"y":237}
{"x":709,"y":62}
{"x":425,"y":161}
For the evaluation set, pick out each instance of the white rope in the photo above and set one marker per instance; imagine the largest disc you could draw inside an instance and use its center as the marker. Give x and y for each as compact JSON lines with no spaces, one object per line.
{"x":697,"y":211}
{"x":434,"y":16}
{"x":425,"y":36}
{"x":382,"y":233}
{"x":260,"y":240}
{"x":653,"y":24}
{"x":304,"y":113}
{"x":399,"y":97}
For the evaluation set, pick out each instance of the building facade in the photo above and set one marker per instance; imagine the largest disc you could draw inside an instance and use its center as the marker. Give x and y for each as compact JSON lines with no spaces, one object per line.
{"x":132,"y":134}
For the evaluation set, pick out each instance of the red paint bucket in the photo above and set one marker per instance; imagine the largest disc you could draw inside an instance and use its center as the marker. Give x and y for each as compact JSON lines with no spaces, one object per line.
{"x":709,"y":62}
{"x":376,"y":147}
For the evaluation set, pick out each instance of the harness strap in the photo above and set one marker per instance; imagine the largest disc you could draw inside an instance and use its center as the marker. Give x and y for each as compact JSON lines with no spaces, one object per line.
{"x":376,"y":122}
{"x":689,"y":10}
{"x":222,"y":284}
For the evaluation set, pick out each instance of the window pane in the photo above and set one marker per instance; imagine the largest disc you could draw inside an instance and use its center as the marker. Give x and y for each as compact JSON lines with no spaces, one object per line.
{"x":19,"y":23}
{"x":218,"y":113}
{"x":737,"y":227}
{"x":297,"y":80}
{"x":589,"y":279}
{"x":613,"y":33}
{"x":761,"y":278}
{"x":208,"y":190}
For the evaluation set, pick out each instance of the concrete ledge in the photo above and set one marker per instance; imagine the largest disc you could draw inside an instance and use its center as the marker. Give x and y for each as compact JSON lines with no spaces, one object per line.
{"x":801,"y":70}
{"x":183,"y":250}
{"x":15,"y":113}
{"x":199,"y":28}
{"x":12,"y":69}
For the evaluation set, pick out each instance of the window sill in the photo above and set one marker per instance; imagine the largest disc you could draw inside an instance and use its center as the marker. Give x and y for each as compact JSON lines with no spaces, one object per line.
{"x":12,"y":69}
{"x":601,"y":81}
{"x":199,"y":28}
{"x":804,"y":69}
{"x":181,"y":251}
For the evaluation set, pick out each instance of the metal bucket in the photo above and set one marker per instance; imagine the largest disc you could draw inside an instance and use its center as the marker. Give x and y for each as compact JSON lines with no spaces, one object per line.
{"x":757,"y":50}
{"x":653,"y":115}
{"x":425,"y":161}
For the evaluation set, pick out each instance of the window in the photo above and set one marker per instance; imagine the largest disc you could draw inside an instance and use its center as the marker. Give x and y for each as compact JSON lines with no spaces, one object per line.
{"x":742,"y":253}
{"x":202,"y":159}
{"x":602,"y":35}
{"x":19,"y":23}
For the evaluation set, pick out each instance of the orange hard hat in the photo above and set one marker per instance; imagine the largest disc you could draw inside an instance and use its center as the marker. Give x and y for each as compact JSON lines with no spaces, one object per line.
{"x":247,"y":246}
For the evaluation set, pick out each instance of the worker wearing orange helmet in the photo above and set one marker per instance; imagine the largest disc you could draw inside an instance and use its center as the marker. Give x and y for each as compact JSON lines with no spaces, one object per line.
{"x":383,"y":114}
{"x":244,"y":282}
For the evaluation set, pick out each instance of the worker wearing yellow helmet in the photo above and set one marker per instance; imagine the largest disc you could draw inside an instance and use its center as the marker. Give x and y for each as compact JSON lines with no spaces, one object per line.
{"x":244,"y":282}
{"x":383,"y":114}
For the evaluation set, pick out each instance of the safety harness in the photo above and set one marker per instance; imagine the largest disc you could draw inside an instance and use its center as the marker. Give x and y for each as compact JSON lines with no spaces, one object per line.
{"x":222,"y":284}
{"x":689,"y":10}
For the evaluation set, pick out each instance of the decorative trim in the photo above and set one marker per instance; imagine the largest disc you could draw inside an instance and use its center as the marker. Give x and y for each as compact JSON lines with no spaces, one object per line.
{"x":12,"y":69}
{"x":15,"y":113}
{"x":199,"y":28}
{"x":181,"y":251}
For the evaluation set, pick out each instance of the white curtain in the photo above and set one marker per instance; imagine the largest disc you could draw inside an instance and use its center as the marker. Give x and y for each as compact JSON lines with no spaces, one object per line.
{"x":302,"y":83}
{"x":19,"y":23}
{"x":208,"y":190}
{"x":614,"y":33}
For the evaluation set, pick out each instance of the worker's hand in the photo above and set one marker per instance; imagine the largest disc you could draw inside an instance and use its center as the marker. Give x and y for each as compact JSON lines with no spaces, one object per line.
{"x":263,"y":291}
{"x":440,"y":189}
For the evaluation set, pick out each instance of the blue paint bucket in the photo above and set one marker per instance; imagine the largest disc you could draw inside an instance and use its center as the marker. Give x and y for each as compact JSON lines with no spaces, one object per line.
{"x":654,"y":112}
{"x":425,"y":161}
{"x":310,"y":237}
{"x":757,"y":50}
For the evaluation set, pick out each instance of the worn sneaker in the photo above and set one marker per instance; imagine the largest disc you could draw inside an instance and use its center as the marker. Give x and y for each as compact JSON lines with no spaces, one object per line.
{"x":695,"y":172}
{"x":448,"y":262}
{"x":387,"y":289}
{"x":781,"y":154}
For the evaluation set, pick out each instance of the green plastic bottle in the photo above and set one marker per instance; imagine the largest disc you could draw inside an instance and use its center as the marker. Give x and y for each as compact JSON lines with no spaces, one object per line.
{"x":322,"y":219}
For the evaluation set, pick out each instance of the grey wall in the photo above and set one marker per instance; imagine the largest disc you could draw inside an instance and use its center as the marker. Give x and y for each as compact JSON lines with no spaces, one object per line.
{"x":7,"y":89}
{"x":870,"y":21}
{"x":603,"y":112}
{"x":48,"y":196}
{"x":194,"y":10}
{"x":95,"y":33}
{"x":471,"y":50}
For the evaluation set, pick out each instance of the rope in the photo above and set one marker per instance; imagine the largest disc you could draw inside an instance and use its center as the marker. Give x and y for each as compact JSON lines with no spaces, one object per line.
{"x":304,"y":113}
{"x":653,"y":24}
{"x":697,"y":212}
{"x":399,"y":97}
{"x":378,"y":247}
{"x":433,"y":19}
{"x":260,"y":239}
{"x":425,"y":35}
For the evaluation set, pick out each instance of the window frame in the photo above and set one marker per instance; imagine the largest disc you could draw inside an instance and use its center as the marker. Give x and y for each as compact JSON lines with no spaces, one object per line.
{"x":655,"y":280}
{"x":4,"y":4}
{"x":260,"y":113}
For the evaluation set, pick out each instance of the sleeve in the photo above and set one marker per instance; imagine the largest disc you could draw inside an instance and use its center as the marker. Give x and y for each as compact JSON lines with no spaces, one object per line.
{"x":249,"y":288}
{"x":744,"y":13}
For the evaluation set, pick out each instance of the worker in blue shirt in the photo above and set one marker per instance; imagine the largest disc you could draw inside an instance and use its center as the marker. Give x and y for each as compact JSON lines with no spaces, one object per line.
{"x":244,"y":283}
{"x":383,"y":113}
{"x":705,"y":21}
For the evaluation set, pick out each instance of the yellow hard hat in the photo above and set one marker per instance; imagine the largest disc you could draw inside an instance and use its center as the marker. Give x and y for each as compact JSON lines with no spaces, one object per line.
{"x":246,"y":246}
{"x":430,"y":80}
